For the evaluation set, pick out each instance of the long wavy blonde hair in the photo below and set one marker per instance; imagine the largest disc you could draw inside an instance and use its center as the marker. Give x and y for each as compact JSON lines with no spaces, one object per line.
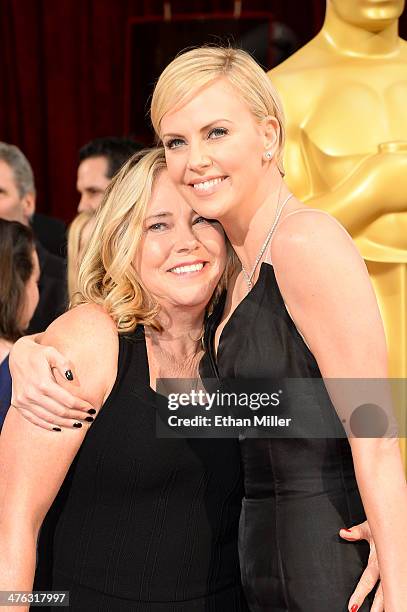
{"x":107,"y":275}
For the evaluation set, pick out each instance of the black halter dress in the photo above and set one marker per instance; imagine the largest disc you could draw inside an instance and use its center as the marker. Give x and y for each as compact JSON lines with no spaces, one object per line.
{"x":298,"y":492}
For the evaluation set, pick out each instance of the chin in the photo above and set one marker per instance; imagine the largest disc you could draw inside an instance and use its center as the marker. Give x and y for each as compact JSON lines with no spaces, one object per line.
{"x":376,"y":18}
{"x":211,"y":209}
{"x":213,"y":206}
{"x":194,"y":300}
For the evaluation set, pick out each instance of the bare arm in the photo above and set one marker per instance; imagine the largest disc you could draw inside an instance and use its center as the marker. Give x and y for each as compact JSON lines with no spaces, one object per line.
{"x":28,"y":453}
{"x":38,"y":397}
{"x":328,"y":291}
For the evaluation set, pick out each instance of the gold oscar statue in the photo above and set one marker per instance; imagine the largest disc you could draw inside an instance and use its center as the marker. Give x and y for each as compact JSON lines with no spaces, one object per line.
{"x":345,"y":100}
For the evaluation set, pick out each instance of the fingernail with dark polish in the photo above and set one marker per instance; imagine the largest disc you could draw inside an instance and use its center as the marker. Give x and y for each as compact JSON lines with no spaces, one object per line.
{"x":354,"y":608}
{"x":92,"y":411}
{"x":68,"y":375}
{"x":77,"y":425}
{"x":89,"y":419}
{"x":56,"y":429}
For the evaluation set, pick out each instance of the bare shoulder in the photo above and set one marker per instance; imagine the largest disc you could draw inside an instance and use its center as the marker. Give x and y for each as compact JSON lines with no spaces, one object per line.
{"x":83,"y":316}
{"x":316,"y":262}
{"x":311,"y":236}
{"x":88,"y":337}
{"x":326,"y":287}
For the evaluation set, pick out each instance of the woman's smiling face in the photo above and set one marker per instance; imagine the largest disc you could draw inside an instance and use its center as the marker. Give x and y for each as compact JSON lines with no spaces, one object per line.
{"x":181,"y":255}
{"x":214,"y":149}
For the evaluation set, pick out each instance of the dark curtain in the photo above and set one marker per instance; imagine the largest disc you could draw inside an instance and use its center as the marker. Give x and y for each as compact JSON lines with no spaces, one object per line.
{"x":61,"y":85}
{"x":62,"y":75}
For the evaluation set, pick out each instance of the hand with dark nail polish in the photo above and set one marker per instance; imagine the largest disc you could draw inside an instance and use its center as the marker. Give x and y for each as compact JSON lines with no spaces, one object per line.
{"x":68,"y":375}
{"x":89,"y":419}
{"x":56,"y":429}
{"x":77,"y":425}
{"x":92,"y":411}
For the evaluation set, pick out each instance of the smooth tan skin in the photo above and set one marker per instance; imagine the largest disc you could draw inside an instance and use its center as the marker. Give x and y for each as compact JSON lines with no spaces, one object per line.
{"x":91,"y":183}
{"x":88,"y":337}
{"x":321,"y":276}
{"x":344,"y":95}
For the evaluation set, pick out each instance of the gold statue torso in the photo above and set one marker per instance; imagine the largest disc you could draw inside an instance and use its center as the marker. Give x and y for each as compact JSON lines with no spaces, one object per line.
{"x":345,"y":100}
{"x":344,"y":111}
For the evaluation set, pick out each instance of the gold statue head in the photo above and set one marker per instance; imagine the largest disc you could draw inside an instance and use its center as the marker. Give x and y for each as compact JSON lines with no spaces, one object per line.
{"x":197,"y":68}
{"x":370,"y":15}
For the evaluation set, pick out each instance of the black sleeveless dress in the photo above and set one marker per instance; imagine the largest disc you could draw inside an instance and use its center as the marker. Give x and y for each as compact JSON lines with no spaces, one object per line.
{"x":143,"y":524}
{"x":298,"y":492}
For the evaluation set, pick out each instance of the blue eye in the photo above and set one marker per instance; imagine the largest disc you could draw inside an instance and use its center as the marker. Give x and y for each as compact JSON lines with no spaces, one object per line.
{"x":217,"y":132}
{"x":200,"y":220}
{"x":174,"y":143}
{"x":156,"y":227}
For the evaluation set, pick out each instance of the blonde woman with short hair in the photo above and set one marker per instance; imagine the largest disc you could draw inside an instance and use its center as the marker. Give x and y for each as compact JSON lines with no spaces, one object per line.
{"x":300,"y":305}
{"x":128,"y":520}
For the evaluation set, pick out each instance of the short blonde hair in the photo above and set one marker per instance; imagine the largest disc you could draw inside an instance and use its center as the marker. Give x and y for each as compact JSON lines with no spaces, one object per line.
{"x":194,"y":69}
{"x":107,"y":275}
{"x":75,"y":232}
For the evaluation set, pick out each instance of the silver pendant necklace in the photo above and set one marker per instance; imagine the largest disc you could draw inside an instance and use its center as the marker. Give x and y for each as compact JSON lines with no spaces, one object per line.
{"x":249,"y":277}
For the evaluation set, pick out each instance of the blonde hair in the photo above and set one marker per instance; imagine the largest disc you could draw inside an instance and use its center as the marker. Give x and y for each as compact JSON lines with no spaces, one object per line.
{"x":75,"y":233}
{"x":196,"y":68}
{"x":107,"y":275}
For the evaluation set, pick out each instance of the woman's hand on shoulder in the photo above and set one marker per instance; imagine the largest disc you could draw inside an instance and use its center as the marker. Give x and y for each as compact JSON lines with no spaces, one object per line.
{"x":44,"y":369}
{"x":326,"y":287}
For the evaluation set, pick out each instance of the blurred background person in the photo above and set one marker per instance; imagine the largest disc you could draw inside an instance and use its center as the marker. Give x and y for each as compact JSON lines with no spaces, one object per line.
{"x":79,"y":234}
{"x":19,"y":276}
{"x":17,"y":203}
{"x":51,"y":232}
{"x":99,"y":160}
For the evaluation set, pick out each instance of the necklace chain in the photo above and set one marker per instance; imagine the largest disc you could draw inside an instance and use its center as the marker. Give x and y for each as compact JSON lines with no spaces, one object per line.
{"x":249,"y":277}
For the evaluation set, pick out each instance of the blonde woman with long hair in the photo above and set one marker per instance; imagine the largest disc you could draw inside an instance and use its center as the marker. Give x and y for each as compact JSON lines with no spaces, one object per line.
{"x":128,"y":521}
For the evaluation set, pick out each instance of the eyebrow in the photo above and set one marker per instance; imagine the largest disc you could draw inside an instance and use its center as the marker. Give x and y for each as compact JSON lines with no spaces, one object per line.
{"x":159,"y":215}
{"x":203,"y":129}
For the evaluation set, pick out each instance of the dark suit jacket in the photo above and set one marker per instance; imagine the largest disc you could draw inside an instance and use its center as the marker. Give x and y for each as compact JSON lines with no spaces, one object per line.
{"x":51,"y":232}
{"x":53,"y":290}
